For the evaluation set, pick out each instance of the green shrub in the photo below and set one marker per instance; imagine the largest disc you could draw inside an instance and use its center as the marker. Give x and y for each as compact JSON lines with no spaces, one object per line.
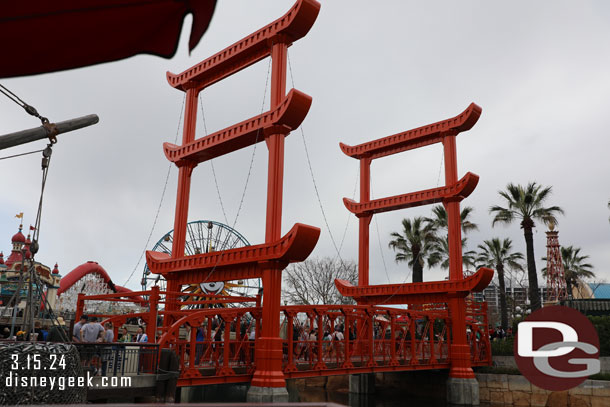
{"x":602,"y":325}
{"x":502,"y":347}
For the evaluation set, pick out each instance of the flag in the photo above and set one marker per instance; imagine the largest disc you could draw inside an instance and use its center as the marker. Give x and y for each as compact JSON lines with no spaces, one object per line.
{"x":19,"y":215}
{"x":32,"y":227}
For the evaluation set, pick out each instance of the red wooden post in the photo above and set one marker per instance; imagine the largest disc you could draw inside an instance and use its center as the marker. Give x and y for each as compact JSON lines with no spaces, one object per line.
{"x":193,"y":347}
{"x":346,"y":337}
{"x":320,"y":363}
{"x":80,"y":307}
{"x":414,"y":358}
{"x":370,"y":321}
{"x":153,"y":301}
{"x":363,"y":223}
{"x":459,"y":352}
{"x":431,"y":339}
{"x":226,"y":370}
{"x":269,"y":346}
{"x":290,"y":339}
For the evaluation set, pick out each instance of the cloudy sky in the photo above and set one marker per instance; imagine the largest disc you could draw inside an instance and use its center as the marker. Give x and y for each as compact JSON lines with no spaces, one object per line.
{"x":538,"y":69}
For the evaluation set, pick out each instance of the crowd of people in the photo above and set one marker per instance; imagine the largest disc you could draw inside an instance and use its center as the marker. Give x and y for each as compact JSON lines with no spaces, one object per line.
{"x":499,"y":333}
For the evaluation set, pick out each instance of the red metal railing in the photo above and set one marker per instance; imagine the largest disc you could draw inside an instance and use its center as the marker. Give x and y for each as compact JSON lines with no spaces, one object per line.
{"x":217,"y":345}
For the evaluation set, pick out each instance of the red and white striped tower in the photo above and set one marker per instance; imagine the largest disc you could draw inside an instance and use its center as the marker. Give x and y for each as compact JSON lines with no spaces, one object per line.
{"x":555,"y":274}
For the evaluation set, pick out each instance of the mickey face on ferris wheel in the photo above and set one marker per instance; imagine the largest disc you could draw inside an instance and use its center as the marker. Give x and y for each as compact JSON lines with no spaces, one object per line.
{"x":212,"y":288}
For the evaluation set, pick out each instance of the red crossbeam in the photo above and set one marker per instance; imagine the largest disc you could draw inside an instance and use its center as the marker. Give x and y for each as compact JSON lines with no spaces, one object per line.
{"x":411,"y":139}
{"x":293,"y":25}
{"x":295,"y":246}
{"x":433,"y":291}
{"x":289,"y":114}
{"x":459,"y":191}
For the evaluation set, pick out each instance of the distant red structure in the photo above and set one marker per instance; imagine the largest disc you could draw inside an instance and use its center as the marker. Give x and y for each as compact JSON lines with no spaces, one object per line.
{"x":555,"y":274}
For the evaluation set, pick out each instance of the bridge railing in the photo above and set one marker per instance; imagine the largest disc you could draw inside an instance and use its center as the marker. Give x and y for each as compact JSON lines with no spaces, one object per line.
{"x":477,"y":333}
{"x":118,"y":359}
{"x":351,"y":338}
{"x":218,"y":345}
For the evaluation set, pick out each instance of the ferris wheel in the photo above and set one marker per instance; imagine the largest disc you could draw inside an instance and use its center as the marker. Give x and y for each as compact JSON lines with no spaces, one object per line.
{"x":204,"y":236}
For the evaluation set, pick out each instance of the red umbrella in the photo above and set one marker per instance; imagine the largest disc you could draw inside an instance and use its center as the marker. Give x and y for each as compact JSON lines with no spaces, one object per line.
{"x":45,"y":36}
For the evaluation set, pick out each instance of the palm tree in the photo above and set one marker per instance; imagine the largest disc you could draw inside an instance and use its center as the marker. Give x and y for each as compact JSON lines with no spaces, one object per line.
{"x":440,"y":248}
{"x":439,"y":220}
{"x":413,"y":245}
{"x":497,"y":254}
{"x":527,"y":204}
{"x":439,"y":254}
{"x":574,"y":267}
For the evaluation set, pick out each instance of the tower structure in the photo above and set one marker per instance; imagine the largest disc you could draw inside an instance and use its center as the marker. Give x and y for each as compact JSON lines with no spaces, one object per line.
{"x":267,"y":260}
{"x":452,"y":292}
{"x":555,"y":274}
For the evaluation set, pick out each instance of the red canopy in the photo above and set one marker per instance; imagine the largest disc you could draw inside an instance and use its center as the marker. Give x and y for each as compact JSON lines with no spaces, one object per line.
{"x":45,"y":36}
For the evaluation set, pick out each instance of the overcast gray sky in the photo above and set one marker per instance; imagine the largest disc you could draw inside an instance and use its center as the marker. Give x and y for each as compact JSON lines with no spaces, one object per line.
{"x":538,"y":69}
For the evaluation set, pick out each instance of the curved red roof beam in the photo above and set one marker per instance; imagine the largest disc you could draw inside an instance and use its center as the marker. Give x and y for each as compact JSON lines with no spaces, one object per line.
{"x":288,"y":114}
{"x":457,"y":191}
{"x":239,"y":263}
{"x":293,"y":25}
{"x":416,"y":293}
{"x":415,"y":138}
{"x":90,"y":267}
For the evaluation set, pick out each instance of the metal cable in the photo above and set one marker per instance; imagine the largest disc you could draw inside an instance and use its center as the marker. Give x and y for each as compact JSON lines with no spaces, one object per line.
{"x":348,"y":214}
{"x":385,"y":268}
{"x":46,"y":161}
{"x":320,"y":202}
{"x":169,"y":168}
{"x":254,"y":150}
{"x":19,"y":155}
{"x":247,"y":180}
{"x":315,"y":185}
{"x":205,"y":130}
{"x":28,"y":108}
{"x":440,"y":167}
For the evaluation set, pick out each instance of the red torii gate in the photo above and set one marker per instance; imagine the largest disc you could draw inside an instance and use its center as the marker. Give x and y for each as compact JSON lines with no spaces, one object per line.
{"x":457,"y":288}
{"x":286,"y":112}
{"x":267,"y":260}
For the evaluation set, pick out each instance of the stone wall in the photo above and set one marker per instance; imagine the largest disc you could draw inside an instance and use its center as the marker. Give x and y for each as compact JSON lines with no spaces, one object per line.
{"x":516,"y":390}
{"x":509,"y":362}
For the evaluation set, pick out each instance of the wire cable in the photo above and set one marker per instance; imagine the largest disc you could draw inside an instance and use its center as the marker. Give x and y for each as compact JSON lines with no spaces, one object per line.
{"x":385,"y":268}
{"x":205,"y":130}
{"x":19,"y":155}
{"x":348,"y":214}
{"x":247,"y":180}
{"x":315,"y":185}
{"x":28,"y":108}
{"x":169,"y":168}
{"x":320,"y":201}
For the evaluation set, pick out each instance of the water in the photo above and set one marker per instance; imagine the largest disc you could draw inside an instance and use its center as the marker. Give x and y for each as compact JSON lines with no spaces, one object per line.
{"x":387,"y":397}
{"x":381,"y":398}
